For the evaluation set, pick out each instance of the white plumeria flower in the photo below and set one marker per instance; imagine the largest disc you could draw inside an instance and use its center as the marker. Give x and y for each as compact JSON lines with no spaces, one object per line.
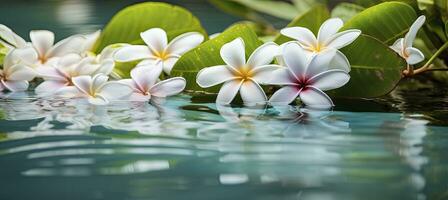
{"x":157,"y":50}
{"x":61,"y":73}
{"x":144,"y":84}
{"x":328,"y":37}
{"x":97,"y":89}
{"x":16,"y":72}
{"x":239,"y":75}
{"x":403,"y":46}
{"x":307,"y":78}
{"x":10,"y":39}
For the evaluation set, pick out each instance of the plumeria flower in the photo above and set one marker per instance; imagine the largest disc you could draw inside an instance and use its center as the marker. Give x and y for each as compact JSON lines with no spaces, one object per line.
{"x":328,"y":37}
{"x":306,"y":78}
{"x":96,"y":89}
{"x":60,"y":74}
{"x":144,"y":84}
{"x":157,"y":50}
{"x":403,"y":46}
{"x":239,"y":75}
{"x":43,"y":43}
{"x":16,"y":72}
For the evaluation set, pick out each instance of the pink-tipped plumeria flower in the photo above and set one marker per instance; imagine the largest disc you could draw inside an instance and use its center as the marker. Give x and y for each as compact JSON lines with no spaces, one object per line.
{"x":67,"y":67}
{"x":17,"y":72}
{"x":306,"y":77}
{"x":239,"y":75}
{"x":403,"y":46}
{"x":328,"y":37}
{"x":96,"y":89}
{"x":157,"y":50}
{"x":144,"y":84}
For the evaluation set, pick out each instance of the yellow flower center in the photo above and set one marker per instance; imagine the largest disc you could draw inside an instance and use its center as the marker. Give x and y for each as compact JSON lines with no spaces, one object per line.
{"x":245,"y":73}
{"x":163,"y":55}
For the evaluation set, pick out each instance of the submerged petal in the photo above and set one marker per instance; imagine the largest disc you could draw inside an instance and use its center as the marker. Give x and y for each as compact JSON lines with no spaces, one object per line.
{"x":285,"y":95}
{"x":211,"y":76}
{"x":156,"y":39}
{"x":132,"y":53}
{"x":328,"y":29}
{"x":98,"y":100}
{"x":42,"y":40}
{"x":303,"y":35}
{"x":233,"y":53}
{"x":315,"y":98}
{"x":184,"y":43}
{"x":168,"y":87}
{"x":228,"y":91}
{"x":263,"y":55}
{"x":137,"y":96}
{"x":252,"y":93}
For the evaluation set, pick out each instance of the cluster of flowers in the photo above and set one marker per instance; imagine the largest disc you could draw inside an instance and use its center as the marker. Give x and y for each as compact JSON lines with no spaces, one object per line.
{"x":70,"y":69}
{"x":305,"y":67}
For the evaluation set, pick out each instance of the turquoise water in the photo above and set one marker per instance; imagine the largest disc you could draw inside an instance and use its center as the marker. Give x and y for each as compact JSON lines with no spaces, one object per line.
{"x":394,"y":147}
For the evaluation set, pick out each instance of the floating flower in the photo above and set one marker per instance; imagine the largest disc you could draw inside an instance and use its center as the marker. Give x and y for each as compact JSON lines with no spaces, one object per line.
{"x":306,"y":78}
{"x":403,"y":46}
{"x":16,"y":73}
{"x":60,"y":74}
{"x":239,"y":75}
{"x":96,"y":89}
{"x":144,"y":84}
{"x":328,"y":37}
{"x":157,"y":51}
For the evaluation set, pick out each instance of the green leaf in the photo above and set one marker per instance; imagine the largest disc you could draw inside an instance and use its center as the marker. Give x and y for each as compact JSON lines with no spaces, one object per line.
{"x":126,"y":25}
{"x":311,"y":20}
{"x":278,"y":9}
{"x":376,"y":69}
{"x":207,"y":54}
{"x":305,"y":5}
{"x":386,"y":21}
{"x":346,"y":11}
{"x":446,"y":28}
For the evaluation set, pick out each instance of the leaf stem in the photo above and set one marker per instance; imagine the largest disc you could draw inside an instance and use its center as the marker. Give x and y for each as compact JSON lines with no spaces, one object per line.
{"x":428,"y":65}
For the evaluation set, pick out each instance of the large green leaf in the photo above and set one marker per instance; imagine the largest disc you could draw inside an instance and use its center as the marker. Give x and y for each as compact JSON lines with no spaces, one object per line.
{"x":275,"y":8}
{"x":376,"y":69}
{"x":207,"y":54}
{"x":126,"y":25}
{"x":386,"y":21}
{"x":311,"y":20}
{"x":346,"y":11}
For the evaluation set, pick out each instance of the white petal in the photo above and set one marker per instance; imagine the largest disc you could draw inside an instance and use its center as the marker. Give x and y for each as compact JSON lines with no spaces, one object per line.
{"x":9,"y":36}
{"x":83,"y":83}
{"x":51,"y":73}
{"x":304,"y":36}
{"x":49,"y":87}
{"x":106,"y":67}
{"x":263,"y":55}
{"x":211,"y":76}
{"x":136,"y":96}
{"x":228,"y":91}
{"x":90,"y":40}
{"x":295,"y":59}
{"x":27,"y":55}
{"x":150,"y":62}
{"x":184,"y":43}
{"x":315,"y":98}
{"x":168,"y":87}
{"x":42,"y":40}
{"x":330,"y":79}
{"x":328,"y":29}
{"x":252,"y":93}
{"x":68,"y":92}
{"x":97,"y":82}
{"x":263,"y":74}
{"x":414,"y":56}
{"x":132,"y":53}
{"x":284,"y":95}
{"x":68,"y":60}
{"x":15,"y":86}
{"x":68,"y":45}
{"x":2,"y":87}
{"x":168,"y":64}
{"x":145,"y":76}
{"x":21,"y":73}
{"x":115,"y":90}
{"x":341,"y":62}
{"x":281,"y":76}
{"x":130,"y":83}
{"x":156,"y":39}
{"x":398,"y":46}
{"x":343,"y":39}
{"x":98,"y":100}
{"x":413,"y":30}
{"x":320,"y":62}
{"x":233,"y":53}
